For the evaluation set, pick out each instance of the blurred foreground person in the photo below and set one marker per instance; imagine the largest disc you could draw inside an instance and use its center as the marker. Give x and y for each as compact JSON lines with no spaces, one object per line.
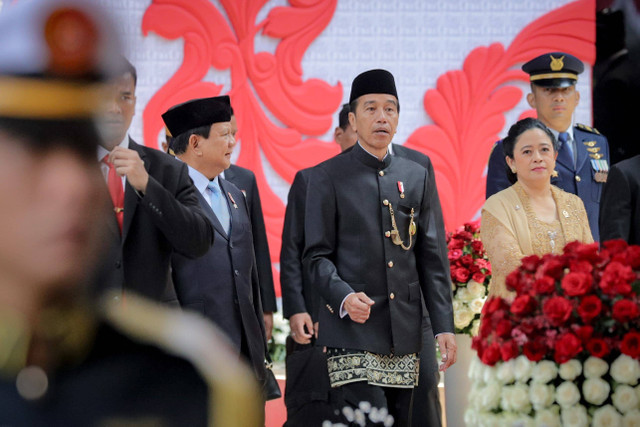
{"x":63,"y":362}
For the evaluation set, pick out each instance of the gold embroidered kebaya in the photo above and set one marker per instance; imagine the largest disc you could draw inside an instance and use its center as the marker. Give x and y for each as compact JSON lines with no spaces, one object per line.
{"x":510,"y":231}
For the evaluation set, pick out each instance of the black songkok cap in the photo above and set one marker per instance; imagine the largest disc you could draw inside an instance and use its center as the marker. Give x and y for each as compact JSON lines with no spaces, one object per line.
{"x":373,"y":81}
{"x":555,"y":69}
{"x":197,"y":113}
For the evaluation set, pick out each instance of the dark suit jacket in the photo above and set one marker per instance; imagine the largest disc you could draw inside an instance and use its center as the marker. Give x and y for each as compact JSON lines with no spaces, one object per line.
{"x":578,"y":180}
{"x":346,"y":250}
{"x":223,"y":284}
{"x":298,"y":296}
{"x":167,"y":219}
{"x":620,"y":207}
{"x":245,"y":180}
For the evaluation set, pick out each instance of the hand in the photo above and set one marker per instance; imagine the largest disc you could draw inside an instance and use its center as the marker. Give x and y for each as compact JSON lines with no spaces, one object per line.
{"x":358,"y":306}
{"x":448,"y":350}
{"x":268,"y":324}
{"x":297,"y":322}
{"x":128,"y":163}
{"x":315,"y":328}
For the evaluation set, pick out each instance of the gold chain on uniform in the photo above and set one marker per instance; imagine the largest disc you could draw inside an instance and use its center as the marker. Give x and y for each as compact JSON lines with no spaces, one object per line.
{"x":395,"y":233}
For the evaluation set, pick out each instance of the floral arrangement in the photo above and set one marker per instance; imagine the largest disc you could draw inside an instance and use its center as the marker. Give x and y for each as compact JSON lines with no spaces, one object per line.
{"x":470,"y":276}
{"x":277,"y":344}
{"x":565,"y":351}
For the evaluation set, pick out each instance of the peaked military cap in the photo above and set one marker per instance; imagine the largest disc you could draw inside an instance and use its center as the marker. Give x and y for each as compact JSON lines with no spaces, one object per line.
{"x":196,"y":113}
{"x":373,"y":81}
{"x":52,"y":56}
{"x":555,"y":69}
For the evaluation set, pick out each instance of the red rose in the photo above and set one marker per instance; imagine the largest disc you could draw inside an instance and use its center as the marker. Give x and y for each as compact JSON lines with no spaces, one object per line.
{"x":454,"y":254}
{"x":463,"y":235}
{"x":477,"y":247}
{"x":456,"y":244}
{"x":472,"y":227}
{"x":616,"y":279}
{"x":491,"y":354}
{"x":535,"y":350}
{"x":598,"y":347}
{"x":583,"y":332}
{"x":486,"y":328}
{"x":633,"y":256}
{"x":551,"y":267}
{"x":530,"y":262}
{"x":522,"y":305}
{"x":478,"y":277}
{"x":466,"y":260}
{"x":512,"y":282}
{"x":615,"y":246}
{"x":503,"y":328}
{"x":557,"y":310}
{"x":588,"y":252}
{"x":483,"y":264}
{"x":625,"y":310}
{"x":631,"y":344}
{"x":509,"y":350}
{"x":544,"y":285}
{"x":576,"y":284}
{"x":589,"y":308}
{"x":567,"y":346}
{"x":493,"y":305}
{"x":460,"y":275}
{"x":572,"y":247}
{"x":577,"y":266}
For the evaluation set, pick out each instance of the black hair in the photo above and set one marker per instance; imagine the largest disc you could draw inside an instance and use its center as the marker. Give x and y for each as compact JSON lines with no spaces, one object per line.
{"x":40,"y":135}
{"x":343,"y":117}
{"x":520,"y":127}
{"x":128,"y":68}
{"x":179,"y":143}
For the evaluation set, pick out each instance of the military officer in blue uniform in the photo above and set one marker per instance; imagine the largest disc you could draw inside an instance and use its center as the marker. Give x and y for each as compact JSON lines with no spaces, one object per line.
{"x":583,"y":158}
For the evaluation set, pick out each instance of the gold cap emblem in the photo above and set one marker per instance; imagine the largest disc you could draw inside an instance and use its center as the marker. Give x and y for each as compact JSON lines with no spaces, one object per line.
{"x":556,"y":63}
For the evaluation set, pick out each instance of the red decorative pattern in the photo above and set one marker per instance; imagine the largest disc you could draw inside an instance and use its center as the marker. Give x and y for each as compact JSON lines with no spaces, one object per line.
{"x":468,"y":105}
{"x":305,"y":107}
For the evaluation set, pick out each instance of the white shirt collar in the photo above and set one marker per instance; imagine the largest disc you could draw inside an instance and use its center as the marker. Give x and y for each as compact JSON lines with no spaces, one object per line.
{"x":199,"y":180}
{"x":103,"y":151}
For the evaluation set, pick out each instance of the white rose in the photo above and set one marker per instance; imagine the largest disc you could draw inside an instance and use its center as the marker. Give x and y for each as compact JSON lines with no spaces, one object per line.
{"x":541,"y":395}
{"x":595,"y":367}
{"x":457,"y":305}
{"x":471,"y":417}
{"x":606,"y":416}
{"x":522,"y":420}
{"x":463,"y":294}
{"x":489,"y":374}
{"x":505,"y":373}
{"x":575,"y":416}
{"x":549,"y":417}
{"x":595,"y":390}
{"x":570,"y":370}
{"x":516,"y":398}
{"x":475,"y":327}
{"x":475,"y":368}
{"x":522,"y":368}
{"x":506,"y":419}
{"x":625,"y":370}
{"x":489,"y":397}
{"x":487,"y":420}
{"x":476,"y":289}
{"x":544,"y":371}
{"x":567,"y":394}
{"x":631,"y":419}
{"x":476,"y":305}
{"x":462,"y":318}
{"x":624,"y":398}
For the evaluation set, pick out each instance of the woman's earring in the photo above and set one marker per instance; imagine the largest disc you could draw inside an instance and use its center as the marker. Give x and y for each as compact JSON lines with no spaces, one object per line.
{"x":513,"y":170}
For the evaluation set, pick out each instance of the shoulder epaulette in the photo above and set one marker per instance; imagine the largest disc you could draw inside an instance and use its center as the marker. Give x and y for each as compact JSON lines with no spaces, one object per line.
{"x":587,"y":128}
{"x":235,"y":398}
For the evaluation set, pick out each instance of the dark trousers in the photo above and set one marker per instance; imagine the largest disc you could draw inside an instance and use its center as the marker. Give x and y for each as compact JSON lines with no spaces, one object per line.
{"x":427,"y":411}
{"x":397,"y":401}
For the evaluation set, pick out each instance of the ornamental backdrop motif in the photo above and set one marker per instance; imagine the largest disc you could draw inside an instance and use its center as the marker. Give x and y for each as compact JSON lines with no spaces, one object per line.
{"x":467,"y":106}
